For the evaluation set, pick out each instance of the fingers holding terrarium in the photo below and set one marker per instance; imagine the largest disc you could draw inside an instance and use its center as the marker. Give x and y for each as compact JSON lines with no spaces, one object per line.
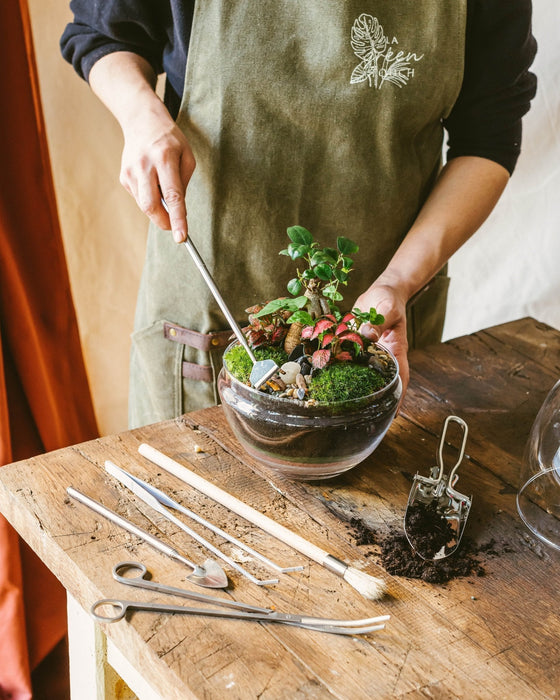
{"x":385,"y":301}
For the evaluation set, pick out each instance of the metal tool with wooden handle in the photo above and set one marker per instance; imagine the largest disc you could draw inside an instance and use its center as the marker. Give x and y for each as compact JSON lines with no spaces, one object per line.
{"x":369,"y":586}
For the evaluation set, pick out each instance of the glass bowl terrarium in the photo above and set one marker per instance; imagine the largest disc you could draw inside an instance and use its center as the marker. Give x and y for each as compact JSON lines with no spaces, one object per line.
{"x":335,"y":393}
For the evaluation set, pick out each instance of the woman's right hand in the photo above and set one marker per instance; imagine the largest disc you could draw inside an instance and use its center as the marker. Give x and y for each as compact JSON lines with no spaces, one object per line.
{"x":157,"y":160}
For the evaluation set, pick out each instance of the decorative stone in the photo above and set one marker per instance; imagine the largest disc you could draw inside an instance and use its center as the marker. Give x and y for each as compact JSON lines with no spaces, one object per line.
{"x":289,"y":372}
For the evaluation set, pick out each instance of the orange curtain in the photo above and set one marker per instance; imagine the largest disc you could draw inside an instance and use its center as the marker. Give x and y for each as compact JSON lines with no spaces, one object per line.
{"x":45,"y":401}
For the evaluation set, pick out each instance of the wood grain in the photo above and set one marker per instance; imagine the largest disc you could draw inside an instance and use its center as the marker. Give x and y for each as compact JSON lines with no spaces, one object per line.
{"x":473,"y":637}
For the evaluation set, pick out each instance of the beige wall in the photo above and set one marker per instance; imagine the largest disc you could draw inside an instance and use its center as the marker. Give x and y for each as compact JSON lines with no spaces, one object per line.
{"x":104,"y":233}
{"x":508,"y":270}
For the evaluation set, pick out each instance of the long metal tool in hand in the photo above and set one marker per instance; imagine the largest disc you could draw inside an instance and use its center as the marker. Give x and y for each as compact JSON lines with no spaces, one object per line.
{"x":262,"y":370}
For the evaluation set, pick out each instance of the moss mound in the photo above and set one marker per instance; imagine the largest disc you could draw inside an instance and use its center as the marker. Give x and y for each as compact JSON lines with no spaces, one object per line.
{"x":345,"y":381}
{"x":240,"y":365}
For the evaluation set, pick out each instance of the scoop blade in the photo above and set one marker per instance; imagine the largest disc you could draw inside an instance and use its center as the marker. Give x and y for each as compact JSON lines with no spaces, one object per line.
{"x":262,"y":371}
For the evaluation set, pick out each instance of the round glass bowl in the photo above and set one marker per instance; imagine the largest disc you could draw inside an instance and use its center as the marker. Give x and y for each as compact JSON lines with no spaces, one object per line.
{"x":308,"y":442}
{"x":538,"y":499}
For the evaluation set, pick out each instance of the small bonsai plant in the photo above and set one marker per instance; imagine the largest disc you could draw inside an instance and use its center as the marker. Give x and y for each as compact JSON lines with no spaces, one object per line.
{"x":322,"y":355}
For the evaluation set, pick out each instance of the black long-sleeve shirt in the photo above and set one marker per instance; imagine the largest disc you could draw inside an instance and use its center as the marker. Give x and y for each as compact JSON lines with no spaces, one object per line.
{"x":485,"y":121}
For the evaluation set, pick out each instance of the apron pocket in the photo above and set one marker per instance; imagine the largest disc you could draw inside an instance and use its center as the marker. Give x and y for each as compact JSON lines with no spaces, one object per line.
{"x":168,"y":375}
{"x":155,"y":376}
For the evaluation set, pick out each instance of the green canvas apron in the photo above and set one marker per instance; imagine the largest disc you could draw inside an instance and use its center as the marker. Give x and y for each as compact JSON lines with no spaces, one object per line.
{"x":321,"y":113}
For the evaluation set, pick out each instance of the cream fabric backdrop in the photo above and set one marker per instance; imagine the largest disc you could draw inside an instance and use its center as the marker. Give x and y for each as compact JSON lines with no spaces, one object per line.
{"x":508,"y":270}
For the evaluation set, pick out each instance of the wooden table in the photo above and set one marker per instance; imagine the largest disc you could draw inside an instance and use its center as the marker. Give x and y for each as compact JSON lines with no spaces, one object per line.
{"x":479,"y":637}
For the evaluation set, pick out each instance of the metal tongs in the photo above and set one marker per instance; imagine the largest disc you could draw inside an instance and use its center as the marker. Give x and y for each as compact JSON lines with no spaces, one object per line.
{"x":113,"y":609}
{"x":436,"y":513}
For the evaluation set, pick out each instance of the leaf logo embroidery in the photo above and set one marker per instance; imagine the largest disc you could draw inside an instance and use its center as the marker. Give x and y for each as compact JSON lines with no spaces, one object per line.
{"x":378,"y":62}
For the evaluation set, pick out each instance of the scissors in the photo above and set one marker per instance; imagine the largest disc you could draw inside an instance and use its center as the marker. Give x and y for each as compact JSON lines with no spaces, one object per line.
{"x":112,"y":609}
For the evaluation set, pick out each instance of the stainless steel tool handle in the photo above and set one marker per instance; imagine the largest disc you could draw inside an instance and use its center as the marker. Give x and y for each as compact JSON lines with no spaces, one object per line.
{"x":115,"y":609}
{"x":140,"y":580}
{"x":199,"y":262}
{"x":127,"y":479}
{"x":465,"y":431}
{"x":127,"y":525}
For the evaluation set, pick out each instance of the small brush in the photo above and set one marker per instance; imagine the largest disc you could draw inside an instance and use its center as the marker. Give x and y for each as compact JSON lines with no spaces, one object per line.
{"x":369,"y":586}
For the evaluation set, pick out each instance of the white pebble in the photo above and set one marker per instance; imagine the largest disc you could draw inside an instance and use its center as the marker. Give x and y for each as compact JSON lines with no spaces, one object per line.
{"x":289,"y":372}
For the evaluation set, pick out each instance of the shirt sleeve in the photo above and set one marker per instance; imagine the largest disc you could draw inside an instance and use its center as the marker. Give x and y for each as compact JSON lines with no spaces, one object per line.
{"x":497,"y":85}
{"x":103,"y":27}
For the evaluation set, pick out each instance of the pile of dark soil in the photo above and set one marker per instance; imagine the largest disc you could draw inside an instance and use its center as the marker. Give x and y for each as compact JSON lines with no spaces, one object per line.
{"x":393,"y":551}
{"x":398,"y":558}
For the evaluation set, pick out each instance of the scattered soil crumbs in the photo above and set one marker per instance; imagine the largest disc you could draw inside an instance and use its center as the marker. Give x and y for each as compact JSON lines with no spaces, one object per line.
{"x":394,"y":553}
{"x":362,"y":533}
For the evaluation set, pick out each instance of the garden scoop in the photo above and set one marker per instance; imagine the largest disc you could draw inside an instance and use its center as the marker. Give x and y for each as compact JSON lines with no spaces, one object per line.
{"x":436,"y":514}
{"x":262,"y":370}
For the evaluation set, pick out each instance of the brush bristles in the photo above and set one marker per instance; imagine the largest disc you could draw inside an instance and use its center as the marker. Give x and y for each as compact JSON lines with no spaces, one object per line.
{"x":370,"y":587}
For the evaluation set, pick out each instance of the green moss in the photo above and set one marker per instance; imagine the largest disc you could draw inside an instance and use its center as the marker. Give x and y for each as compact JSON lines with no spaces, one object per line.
{"x":240,"y":365}
{"x":344,"y":381}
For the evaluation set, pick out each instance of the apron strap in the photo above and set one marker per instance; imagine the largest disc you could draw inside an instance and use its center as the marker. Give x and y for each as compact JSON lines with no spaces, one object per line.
{"x":201,"y":341}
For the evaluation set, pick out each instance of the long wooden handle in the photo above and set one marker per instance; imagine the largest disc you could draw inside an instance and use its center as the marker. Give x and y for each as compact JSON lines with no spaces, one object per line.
{"x":234,"y":504}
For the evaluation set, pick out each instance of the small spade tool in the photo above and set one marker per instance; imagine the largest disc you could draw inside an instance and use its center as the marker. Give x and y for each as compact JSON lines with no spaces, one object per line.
{"x":263,"y":370}
{"x":436,"y":513}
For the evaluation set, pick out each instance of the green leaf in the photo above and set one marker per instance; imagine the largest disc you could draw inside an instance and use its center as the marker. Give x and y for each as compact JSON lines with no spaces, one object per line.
{"x":323,"y":271}
{"x":347,"y":262}
{"x":301,"y":317}
{"x":285,"y":304}
{"x":370,"y":316}
{"x":341,"y":276}
{"x":273,"y":306}
{"x":375,"y":319}
{"x":284,"y":252}
{"x":318,"y":257}
{"x":332,"y":254}
{"x":297,"y":251}
{"x":308,"y":274}
{"x":294,"y":286}
{"x":333,"y":295}
{"x":300,"y":235}
{"x":346,"y":246}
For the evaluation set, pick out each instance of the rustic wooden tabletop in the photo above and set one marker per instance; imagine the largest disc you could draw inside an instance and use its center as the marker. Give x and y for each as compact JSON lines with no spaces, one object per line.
{"x":480,"y":636}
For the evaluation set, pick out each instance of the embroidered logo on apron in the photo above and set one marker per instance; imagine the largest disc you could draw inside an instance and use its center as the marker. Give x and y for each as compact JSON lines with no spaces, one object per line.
{"x":379,"y":62}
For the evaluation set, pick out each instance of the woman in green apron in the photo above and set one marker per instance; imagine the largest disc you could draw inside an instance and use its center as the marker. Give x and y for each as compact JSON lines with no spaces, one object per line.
{"x":325,"y":114}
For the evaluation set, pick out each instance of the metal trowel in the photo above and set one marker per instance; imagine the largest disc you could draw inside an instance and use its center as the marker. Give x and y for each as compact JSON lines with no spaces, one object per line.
{"x":436,"y":513}
{"x":262,"y":370}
